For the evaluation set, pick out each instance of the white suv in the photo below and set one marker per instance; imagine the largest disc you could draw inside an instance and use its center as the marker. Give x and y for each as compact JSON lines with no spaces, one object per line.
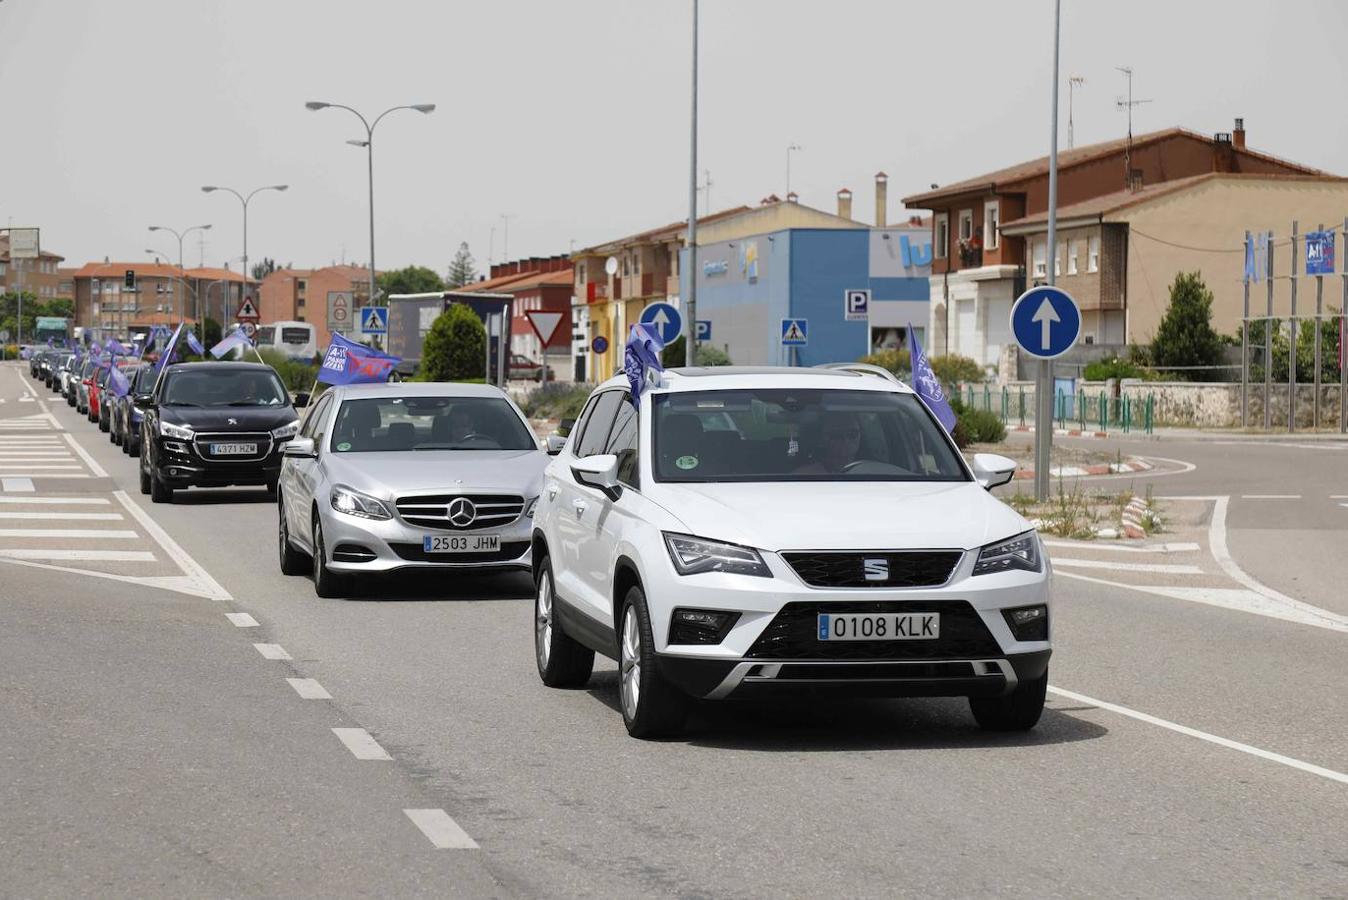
{"x":753,"y":530}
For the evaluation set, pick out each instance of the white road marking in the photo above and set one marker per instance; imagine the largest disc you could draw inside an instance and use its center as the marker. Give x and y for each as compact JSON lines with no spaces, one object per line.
{"x":361,"y":745}
{"x":64,"y":501}
{"x":241,"y":620}
{"x":79,"y":556}
{"x":442,"y":831}
{"x":1178,"y":547}
{"x":62,"y":516}
{"x":205,"y":585}
{"x":88,"y":460}
{"x":16,"y":484}
{"x":1270,"y":496}
{"x":272,"y":651}
{"x":1204,"y":736}
{"x":45,"y":466}
{"x":44,"y":475}
{"x":1338,"y":496}
{"x":110,"y":534}
{"x":1158,"y":568}
{"x":309,"y":689}
{"x":25,"y":399}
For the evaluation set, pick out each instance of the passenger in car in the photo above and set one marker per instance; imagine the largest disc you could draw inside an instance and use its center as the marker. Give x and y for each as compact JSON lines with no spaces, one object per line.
{"x":839,"y":444}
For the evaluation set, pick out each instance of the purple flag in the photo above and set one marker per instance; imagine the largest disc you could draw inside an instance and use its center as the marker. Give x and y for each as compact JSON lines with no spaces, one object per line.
{"x":167,"y":353}
{"x":927,"y":385}
{"x":194,"y":345}
{"x":117,"y":380}
{"x":115,"y":346}
{"x":347,"y":362}
{"x":641,"y":359}
{"x":235,"y":338}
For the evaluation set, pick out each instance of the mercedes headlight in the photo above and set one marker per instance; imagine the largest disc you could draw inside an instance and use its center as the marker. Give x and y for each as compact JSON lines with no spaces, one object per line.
{"x":354,"y":503}
{"x":694,"y":555}
{"x":288,"y":430}
{"x":1019,"y":552}
{"x":181,"y":432}
{"x":529,"y":510}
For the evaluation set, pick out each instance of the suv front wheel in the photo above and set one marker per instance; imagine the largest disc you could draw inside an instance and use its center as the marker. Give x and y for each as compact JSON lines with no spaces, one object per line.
{"x":651,"y":706}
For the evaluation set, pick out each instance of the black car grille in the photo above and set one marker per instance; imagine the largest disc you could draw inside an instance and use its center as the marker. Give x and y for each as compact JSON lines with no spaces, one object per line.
{"x":794,"y":633}
{"x":203,"y":440}
{"x":848,"y":569}
{"x":432,"y":510}
{"x":509,"y":550}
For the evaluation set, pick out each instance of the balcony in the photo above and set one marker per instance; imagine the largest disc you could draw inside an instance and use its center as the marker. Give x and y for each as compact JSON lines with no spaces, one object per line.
{"x":971,"y":254}
{"x":596,"y":291}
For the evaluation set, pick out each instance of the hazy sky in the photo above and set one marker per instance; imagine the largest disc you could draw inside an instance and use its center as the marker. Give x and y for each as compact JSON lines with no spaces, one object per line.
{"x":572,"y":115}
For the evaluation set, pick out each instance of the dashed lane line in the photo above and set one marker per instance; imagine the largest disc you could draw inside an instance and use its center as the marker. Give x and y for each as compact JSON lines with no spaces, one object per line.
{"x":272,"y":651}
{"x":1298,"y":764}
{"x":20,"y":555}
{"x":241,"y":620}
{"x":58,"y":501}
{"x":361,"y":744}
{"x":1155,"y":568}
{"x":309,"y":689}
{"x":1270,"y":496}
{"x":63,"y":516}
{"x":1175,"y":547}
{"x":109,"y":534}
{"x":442,"y":831}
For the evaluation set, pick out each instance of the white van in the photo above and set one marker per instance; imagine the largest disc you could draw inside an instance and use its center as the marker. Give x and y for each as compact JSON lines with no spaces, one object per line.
{"x":297,"y":340}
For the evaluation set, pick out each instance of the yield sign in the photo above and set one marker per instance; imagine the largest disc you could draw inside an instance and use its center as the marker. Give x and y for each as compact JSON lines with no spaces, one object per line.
{"x":544,"y":324}
{"x":247,"y":310}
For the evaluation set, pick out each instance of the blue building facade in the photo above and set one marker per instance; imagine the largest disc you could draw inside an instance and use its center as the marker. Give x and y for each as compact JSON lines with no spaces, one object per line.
{"x":747,"y":286}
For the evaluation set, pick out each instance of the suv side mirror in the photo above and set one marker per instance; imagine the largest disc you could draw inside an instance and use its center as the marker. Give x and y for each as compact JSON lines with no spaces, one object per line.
{"x":600,"y":472}
{"x":992,"y":470}
{"x":556,"y":443}
{"x":300,"y":447}
{"x":142,"y":401}
{"x":301,"y":400}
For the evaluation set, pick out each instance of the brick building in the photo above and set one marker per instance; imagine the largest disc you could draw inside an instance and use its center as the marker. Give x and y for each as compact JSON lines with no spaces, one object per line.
{"x":39,"y":277}
{"x":161,"y":296}
{"x":302,"y":295}
{"x":536,"y":283}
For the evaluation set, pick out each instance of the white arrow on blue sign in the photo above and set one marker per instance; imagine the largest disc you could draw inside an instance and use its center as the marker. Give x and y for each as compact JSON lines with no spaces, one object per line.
{"x":666,"y":319}
{"x":374,"y":320}
{"x":1045,"y":322}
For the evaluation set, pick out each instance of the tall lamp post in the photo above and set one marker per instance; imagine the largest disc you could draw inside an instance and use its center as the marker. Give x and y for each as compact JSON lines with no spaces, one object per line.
{"x":691,"y":345}
{"x":368,"y":144}
{"x":209,"y":188}
{"x":179,"y":235}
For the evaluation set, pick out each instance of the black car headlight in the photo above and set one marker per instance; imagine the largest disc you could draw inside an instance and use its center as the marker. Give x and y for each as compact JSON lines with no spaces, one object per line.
{"x":1019,"y":552}
{"x":694,"y":555}
{"x":354,"y":503}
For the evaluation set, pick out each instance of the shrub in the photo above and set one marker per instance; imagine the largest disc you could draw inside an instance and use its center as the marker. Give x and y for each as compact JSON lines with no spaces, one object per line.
{"x":975,"y":426}
{"x":296,"y":376}
{"x":897,"y":361}
{"x":556,"y":400}
{"x":954,"y":369}
{"x":1102,"y":369}
{"x":455,"y":348}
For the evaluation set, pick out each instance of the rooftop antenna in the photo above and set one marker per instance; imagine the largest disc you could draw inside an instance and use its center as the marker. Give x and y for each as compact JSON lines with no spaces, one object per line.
{"x":1073,"y":82}
{"x":1127,"y":105}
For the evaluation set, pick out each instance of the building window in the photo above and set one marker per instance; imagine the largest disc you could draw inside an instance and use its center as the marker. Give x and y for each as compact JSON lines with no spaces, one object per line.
{"x":1057,"y":259}
{"x":966,"y":224}
{"x":1073,"y":251}
{"x":1093,"y":254}
{"x":942,"y":234}
{"x":580,"y":273}
{"x":299,"y":304}
{"x":625,"y":265}
{"x":992,"y":219}
{"x":1040,"y":259}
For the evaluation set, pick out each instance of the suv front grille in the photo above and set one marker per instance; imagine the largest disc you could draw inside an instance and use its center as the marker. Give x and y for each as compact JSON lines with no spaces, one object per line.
{"x":202,"y":442}
{"x":794,"y":633}
{"x":886,"y":568}
{"x":433,"y":510}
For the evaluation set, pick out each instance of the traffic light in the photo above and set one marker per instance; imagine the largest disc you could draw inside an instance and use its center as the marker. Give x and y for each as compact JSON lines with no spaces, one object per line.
{"x":129,"y":283}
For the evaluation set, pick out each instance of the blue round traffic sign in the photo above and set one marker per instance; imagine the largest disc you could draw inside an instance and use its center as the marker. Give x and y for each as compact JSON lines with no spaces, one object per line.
{"x":599,"y":344}
{"x":1045,"y":322}
{"x":666,"y":320}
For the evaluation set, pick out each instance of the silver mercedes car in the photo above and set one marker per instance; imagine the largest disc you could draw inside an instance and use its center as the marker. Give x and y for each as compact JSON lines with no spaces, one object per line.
{"x":396,"y":476}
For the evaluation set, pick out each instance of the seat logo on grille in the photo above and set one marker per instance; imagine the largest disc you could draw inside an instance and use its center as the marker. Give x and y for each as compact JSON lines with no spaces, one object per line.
{"x":461,"y":512}
{"x":876,"y":569}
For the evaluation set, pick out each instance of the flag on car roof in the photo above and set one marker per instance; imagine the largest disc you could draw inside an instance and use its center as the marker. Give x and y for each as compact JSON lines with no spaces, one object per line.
{"x":167,"y":355}
{"x":236,"y":338}
{"x":193,"y":344}
{"x":346,"y":362}
{"x":115,"y":346}
{"x":641,"y":359}
{"x":927,"y":385}
{"x":117,"y":380}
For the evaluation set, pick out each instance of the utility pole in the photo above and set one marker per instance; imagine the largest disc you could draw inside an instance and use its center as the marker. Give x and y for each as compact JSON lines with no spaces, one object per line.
{"x":1043,"y":397}
{"x":1127,"y":105}
{"x":690,"y":319}
{"x":1073,"y":82}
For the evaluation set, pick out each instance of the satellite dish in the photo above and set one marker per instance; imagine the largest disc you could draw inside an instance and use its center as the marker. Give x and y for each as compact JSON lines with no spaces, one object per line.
{"x":611,"y":265}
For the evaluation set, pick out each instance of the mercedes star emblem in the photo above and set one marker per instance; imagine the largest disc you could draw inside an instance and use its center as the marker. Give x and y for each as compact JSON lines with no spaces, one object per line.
{"x":461,"y":512}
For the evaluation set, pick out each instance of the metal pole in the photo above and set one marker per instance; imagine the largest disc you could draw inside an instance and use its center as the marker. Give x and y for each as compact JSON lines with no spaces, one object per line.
{"x":369,"y":156}
{"x":691,"y":323}
{"x":1043,"y":418}
{"x":1245,"y":345}
{"x":1268,"y":336}
{"x":1319,"y":309}
{"x":1343,"y":332}
{"x":1292,"y":343}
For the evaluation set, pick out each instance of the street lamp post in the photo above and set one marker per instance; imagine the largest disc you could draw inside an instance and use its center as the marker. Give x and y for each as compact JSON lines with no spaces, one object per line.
{"x":368,"y":144}
{"x":179,"y":235}
{"x":244,"y":201}
{"x":691,"y":318}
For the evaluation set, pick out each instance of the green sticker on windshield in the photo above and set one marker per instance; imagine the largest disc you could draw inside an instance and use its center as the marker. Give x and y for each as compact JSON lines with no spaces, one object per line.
{"x":344,"y":445}
{"x":686,"y":462}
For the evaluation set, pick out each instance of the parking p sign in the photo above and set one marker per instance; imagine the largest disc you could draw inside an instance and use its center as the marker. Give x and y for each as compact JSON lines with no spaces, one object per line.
{"x":856,"y":305}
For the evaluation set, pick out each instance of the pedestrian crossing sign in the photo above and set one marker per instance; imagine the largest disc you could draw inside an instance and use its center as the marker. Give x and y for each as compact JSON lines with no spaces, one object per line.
{"x":374,"y":320}
{"x":794,"y":332}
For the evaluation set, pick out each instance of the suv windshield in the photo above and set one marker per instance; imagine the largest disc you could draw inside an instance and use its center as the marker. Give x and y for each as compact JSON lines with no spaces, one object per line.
{"x":805,"y":435}
{"x":390,"y":424}
{"x":223,"y":387}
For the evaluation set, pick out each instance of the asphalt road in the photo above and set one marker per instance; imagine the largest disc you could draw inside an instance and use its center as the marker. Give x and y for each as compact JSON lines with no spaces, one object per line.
{"x":1193,"y":744}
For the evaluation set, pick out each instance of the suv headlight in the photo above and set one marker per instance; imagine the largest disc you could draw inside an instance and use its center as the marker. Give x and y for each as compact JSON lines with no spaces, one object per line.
{"x":1019,"y":552}
{"x":181,"y":432}
{"x":288,"y":430}
{"x":354,"y":503}
{"x":694,"y":555}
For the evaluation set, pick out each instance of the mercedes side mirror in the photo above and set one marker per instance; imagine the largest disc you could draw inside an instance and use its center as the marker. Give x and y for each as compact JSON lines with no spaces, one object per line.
{"x":556,"y":443}
{"x":300,"y":447}
{"x":992,"y":470}
{"x":599,"y":472}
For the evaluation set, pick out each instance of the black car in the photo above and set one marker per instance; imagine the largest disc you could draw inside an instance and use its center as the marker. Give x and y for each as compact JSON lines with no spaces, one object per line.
{"x":125,"y":417}
{"x":214,"y":424}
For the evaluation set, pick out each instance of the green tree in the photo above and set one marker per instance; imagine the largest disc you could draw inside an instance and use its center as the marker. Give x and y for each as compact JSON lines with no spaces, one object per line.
{"x":463,"y":270}
{"x":455,"y":348}
{"x":210,"y":333}
{"x":1185,"y":336}
{"x":411,"y":280}
{"x":262,"y":269}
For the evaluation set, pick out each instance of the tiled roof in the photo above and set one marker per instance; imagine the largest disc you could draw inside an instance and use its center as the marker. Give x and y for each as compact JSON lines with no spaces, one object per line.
{"x":118,"y":269}
{"x":215,"y":274}
{"x":520,"y":281}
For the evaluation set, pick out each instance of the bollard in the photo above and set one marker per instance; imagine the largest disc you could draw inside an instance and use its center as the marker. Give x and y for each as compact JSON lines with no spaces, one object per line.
{"x":1150,"y":414}
{"x":1022,"y":406}
{"x":1124,"y":412}
{"x":1006,"y":403}
{"x":1104,"y":411}
{"x":1081,"y":409}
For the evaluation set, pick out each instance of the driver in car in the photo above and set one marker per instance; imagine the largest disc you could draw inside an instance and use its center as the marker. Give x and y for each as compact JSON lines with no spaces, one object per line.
{"x":461,"y":424}
{"x":841,"y":441}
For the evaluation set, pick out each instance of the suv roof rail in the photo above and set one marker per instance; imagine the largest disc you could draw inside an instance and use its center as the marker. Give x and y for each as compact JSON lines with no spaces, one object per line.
{"x":861,"y":369}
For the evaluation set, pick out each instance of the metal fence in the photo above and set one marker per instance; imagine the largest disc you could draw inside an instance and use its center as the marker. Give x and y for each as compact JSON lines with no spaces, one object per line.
{"x":1083,"y":410}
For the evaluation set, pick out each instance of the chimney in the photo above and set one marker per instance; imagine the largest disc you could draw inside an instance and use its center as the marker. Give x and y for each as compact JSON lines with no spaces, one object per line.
{"x":881,"y":199}
{"x":793,"y":197}
{"x":1238,"y":134}
{"x":845,"y":203}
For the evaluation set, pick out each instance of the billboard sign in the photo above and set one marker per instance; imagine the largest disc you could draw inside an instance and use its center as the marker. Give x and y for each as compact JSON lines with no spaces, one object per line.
{"x":23,"y":243}
{"x":1319,"y":253}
